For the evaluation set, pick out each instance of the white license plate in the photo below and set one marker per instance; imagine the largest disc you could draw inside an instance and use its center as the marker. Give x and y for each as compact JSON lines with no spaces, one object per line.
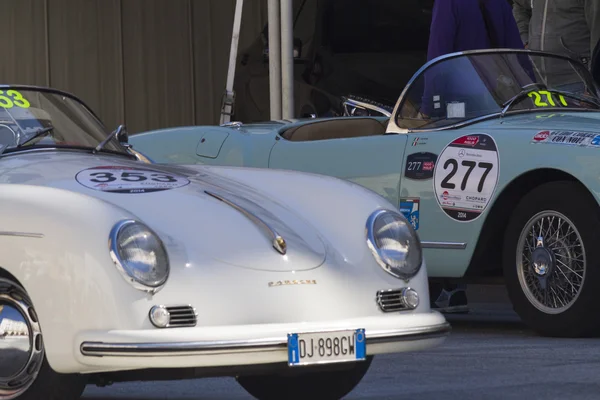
{"x":326,"y":347}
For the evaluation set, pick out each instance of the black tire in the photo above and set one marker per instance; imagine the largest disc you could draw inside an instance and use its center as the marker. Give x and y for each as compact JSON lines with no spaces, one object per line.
{"x":40,"y":381}
{"x":326,"y":385}
{"x":571,"y":308}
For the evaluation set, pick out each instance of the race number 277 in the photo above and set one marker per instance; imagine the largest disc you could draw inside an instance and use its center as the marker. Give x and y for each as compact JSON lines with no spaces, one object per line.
{"x":470,"y":165}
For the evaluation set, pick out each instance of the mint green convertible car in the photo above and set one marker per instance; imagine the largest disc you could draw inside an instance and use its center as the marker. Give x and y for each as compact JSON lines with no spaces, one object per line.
{"x":493,"y":155}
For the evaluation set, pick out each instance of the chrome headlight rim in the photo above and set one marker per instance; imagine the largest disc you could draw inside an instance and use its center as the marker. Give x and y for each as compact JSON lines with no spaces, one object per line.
{"x":113,"y":243}
{"x":378,"y":254}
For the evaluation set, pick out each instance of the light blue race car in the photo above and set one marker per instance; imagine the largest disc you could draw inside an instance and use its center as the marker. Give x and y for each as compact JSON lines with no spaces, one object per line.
{"x":493,"y":155}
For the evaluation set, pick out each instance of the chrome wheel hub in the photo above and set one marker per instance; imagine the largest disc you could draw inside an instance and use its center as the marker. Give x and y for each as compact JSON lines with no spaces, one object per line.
{"x":543,"y":260}
{"x":551,"y":262}
{"x":21,"y":348}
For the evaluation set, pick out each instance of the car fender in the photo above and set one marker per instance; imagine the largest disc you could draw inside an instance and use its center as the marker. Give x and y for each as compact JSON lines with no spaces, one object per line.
{"x":58,"y":243}
{"x":537,"y":163}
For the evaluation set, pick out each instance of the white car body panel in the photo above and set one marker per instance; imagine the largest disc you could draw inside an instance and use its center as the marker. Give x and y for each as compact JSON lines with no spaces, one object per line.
{"x":54,"y":232}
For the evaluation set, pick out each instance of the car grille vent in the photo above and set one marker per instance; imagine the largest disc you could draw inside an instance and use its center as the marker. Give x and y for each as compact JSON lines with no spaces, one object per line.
{"x":391,"y":300}
{"x":182,"y":316}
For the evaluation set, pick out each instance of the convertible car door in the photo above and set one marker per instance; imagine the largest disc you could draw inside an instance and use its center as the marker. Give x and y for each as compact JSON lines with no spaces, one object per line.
{"x":448,"y":180}
{"x":371,"y":161}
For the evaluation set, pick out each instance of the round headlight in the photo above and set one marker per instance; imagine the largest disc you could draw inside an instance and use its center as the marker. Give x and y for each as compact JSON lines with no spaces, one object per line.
{"x":139,"y":254}
{"x":394,"y":243}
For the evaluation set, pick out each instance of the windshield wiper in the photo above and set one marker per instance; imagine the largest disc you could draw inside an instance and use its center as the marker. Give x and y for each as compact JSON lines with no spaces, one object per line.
{"x":36,"y":134}
{"x":114,"y":133}
{"x":575,"y":96}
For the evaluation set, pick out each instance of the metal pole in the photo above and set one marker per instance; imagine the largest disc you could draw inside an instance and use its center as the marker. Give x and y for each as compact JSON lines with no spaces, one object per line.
{"x":229,"y":95}
{"x":274,"y":24}
{"x":287,"y":58}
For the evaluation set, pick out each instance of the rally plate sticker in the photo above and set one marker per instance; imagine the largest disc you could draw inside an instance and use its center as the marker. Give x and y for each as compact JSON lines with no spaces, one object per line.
{"x":466,"y":175}
{"x":419,"y":166}
{"x":117,"y":179}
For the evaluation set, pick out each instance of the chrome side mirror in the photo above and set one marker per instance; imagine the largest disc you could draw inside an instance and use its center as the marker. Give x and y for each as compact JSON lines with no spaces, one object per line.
{"x":358,"y":107}
{"x":123,"y":137}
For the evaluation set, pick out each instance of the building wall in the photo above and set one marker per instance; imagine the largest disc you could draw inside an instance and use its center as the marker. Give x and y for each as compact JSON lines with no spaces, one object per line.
{"x":148,"y":63}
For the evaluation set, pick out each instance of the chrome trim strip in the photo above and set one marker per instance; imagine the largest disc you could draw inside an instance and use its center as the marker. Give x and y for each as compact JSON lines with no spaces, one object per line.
{"x":99,"y":349}
{"x":23,"y":234}
{"x":403,"y":335}
{"x":444,"y":245}
{"x":80,"y":150}
{"x":278,"y":242}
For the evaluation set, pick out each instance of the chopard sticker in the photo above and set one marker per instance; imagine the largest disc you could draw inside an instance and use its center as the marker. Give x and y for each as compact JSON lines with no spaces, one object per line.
{"x":116,"y":179}
{"x":409,"y":207}
{"x":419,"y":166}
{"x":568,"y":138}
{"x":466,"y":175}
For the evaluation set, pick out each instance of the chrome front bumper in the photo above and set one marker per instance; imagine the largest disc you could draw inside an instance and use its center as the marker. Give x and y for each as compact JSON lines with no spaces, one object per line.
{"x":198,"y":348}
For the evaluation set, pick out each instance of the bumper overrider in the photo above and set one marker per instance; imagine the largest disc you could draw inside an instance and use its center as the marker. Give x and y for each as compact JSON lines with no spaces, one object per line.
{"x":250,"y":344}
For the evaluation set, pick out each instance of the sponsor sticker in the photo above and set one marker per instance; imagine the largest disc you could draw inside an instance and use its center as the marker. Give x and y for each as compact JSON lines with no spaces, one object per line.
{"x":420,"y":166}
{"x":541,"y":136}
{"x":466,"y":175}
{"x":409,"y":207}
{"x":568,"y":138}
{"x":419,"y":141}
{"x":117,"y":179}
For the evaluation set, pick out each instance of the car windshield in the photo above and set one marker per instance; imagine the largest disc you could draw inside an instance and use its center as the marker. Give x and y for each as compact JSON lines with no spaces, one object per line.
{"x":458,"y":88}
{"x":34,"y":118}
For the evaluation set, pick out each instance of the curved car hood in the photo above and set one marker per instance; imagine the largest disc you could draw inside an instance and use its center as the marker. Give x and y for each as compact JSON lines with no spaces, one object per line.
{"x":172,"y":200}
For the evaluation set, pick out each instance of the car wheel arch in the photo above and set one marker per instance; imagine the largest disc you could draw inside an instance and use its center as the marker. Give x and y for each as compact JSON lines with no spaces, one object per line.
{"x":486,"y":261}
{"x":7,"y":275}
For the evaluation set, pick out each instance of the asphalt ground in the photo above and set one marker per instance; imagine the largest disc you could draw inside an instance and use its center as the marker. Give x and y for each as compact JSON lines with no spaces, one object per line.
{"x":489,"y":355}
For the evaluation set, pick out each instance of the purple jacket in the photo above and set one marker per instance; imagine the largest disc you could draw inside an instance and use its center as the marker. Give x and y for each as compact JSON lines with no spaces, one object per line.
{"x":458,"y":25}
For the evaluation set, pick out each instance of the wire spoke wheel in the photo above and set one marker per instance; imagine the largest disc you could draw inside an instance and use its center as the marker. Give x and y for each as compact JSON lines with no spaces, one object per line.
{"x":551,"y":262}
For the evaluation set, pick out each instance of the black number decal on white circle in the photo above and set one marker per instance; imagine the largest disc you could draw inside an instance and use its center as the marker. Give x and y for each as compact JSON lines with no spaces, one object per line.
{"x":103,"y":177}
{"x":163,"y":178}
{"x":446,"y":182}
{"x":128,"y":180}
{"x":466,"y":176}
{"x":451,"y":162}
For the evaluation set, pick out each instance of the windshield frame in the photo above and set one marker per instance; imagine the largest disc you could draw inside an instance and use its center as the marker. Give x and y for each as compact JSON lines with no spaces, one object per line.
{"x":44,"y":89}
{"x":403,"y":95}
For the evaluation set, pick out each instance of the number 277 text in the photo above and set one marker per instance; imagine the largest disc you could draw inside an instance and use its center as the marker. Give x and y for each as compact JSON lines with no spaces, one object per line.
{"x":446,"y":184}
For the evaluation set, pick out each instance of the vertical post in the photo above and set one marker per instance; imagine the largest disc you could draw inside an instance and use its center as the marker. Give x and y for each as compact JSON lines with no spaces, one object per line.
{"x":274,"y":24}
{"x":287,"y":58}
{"x":229,"y":95}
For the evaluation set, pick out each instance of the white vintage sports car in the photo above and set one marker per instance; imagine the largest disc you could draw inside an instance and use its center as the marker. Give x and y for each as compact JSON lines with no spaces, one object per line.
{"x":113,"y":269}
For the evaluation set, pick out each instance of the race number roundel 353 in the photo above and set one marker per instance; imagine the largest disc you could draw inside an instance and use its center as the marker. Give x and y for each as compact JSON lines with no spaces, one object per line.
{"x":117,"y":179}
{"x":466,"y":175}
